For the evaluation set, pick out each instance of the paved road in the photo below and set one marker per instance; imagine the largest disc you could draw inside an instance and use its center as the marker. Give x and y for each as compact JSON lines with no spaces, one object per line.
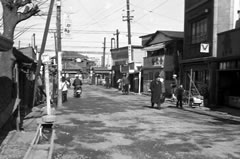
{"x":103,"y":124}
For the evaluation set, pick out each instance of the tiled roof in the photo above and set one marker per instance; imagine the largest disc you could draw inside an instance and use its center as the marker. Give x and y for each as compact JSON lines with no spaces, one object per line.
{"x":73,"y":54}
{"x":173,"y":34}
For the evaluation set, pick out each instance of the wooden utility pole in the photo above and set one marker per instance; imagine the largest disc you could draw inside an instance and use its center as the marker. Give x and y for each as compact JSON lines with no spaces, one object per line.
{"x":44,"y":40}
{"x":129,"y":18}
{"x":59,"y":53}
{"x":104,"y":52}
{"x":117,"y":38}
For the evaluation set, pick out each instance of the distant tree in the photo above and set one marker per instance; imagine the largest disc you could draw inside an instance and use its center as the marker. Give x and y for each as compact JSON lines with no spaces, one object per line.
{"x":14,"y":11}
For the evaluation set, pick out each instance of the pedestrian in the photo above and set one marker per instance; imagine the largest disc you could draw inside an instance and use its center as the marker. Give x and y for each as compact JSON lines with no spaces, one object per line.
{"x":107,"y":82}
{"x":157,"y":91}
{"x":64,"y":86}
{"x":125,"y":84}
{"x":42,"y":94}
{"x":119,"y":81}
{"x":179,"y":94}
{"x":174,"y":86}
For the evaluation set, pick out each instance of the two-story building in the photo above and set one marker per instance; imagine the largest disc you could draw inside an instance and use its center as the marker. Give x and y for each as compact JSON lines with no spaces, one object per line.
{"x":74,"y":63}
{"x":228,"y":68}
{"x":163,"y":49}
{"x":127,"y":60}
{"x":204,"y":19}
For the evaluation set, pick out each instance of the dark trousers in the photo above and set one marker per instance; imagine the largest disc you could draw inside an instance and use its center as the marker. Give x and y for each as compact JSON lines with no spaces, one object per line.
{"x":179,"y":101}
{"x":158,"y":105}
{"x":126,"y":88}
{"x":64,"y":96}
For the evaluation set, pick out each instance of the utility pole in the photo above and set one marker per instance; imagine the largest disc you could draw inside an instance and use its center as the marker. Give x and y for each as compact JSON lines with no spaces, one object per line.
{"x":59,"y":53}
{"x":117,"y":38}
{"x":44,"y":40}
{"x":128,"y":18}
{"x":104,"y":52}
{"x":34,"y":41}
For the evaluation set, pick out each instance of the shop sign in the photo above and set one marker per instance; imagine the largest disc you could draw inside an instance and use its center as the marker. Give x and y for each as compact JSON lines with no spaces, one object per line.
{"x":46,"y":59}
{"x":67,"y":26}
{"x":125,"y":69}
{"x":157,"y":61}
{"x":204,"y":48}
{"x":129,"y":53}
{"x":131,"y":67}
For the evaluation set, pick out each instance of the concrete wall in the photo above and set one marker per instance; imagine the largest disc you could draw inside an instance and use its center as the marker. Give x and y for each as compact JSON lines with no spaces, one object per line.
{"x":138,"y":55}
{"x":223,"y":20}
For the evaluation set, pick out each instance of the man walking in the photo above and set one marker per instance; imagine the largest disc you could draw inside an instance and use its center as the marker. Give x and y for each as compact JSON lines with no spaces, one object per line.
{"x":179,"y":94}
{"x":157,"y":89}
{"x":125,"y":83}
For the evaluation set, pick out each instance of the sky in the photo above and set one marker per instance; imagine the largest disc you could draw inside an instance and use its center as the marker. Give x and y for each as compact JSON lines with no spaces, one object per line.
{"x":93,"y":20}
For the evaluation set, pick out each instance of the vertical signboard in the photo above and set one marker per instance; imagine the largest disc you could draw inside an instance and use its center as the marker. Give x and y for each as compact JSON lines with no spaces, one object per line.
{"x":129,"y":53}
{"x":67,"y":26}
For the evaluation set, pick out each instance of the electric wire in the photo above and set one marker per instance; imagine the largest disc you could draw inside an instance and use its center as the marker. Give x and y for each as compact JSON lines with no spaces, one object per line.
{"x":161,"y":4}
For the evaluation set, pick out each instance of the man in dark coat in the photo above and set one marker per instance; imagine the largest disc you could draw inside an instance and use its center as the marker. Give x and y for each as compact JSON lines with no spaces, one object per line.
{"x":179,"y":94}
{"x":157,"y":89}
{"x":76,"y":83}
{"x":125,"y":83}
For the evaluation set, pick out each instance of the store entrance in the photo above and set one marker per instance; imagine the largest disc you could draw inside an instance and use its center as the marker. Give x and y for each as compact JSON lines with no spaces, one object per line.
{"x":228,"y":88}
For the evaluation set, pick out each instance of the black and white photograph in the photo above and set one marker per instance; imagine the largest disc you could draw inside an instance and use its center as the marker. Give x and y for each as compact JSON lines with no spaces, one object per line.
{"x":119,"y":79}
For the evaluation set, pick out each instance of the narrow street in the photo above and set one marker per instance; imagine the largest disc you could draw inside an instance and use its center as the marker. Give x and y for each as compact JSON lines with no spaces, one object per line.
{"x":104,"y":124}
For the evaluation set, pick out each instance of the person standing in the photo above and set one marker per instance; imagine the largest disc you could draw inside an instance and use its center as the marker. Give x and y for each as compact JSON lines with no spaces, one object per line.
{"x":107,"y":82}
{"x":64,"y":86}
{"x":174,"y":86}
{"x":125,"y":83}
{"x":179,"y":94}
{"x":119,"y":82}
{"x":157,"y":90}
{"x":42,"y":94}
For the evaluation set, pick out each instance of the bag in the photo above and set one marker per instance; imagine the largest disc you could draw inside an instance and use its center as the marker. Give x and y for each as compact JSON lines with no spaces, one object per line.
{"x":162,"y":99}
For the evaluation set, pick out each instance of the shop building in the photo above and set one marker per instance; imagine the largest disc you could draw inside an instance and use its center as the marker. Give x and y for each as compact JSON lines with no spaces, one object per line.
{"x":163,"y":49}
{"x":128,"y":60}
{"x":100,"y":74}
{"x":228,"y":68}
{"x":204,"y":19}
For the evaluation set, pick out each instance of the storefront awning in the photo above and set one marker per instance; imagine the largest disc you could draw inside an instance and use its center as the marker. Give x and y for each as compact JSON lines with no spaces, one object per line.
{"x":155,"y":47}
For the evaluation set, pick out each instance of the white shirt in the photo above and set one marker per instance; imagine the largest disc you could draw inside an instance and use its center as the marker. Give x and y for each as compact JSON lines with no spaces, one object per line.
{"x":64,"y":85}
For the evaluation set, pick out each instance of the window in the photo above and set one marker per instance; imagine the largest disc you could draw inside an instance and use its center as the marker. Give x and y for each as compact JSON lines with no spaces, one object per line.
{"x":201,"y":76}
{"x":199,"y":31}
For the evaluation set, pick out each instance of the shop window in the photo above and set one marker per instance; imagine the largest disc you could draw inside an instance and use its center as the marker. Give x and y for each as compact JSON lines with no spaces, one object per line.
{"x":206,"y":76}
{"x":200,"y":76}
{"x":199,"y":31}
{"x":238,"y":64}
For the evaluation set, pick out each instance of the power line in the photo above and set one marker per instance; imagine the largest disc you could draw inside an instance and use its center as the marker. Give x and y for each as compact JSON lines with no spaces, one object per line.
{"x":161,"y":4}
{"x":82,"y":31}
{"x":104,"y":18}
{"x":162,"y":15}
